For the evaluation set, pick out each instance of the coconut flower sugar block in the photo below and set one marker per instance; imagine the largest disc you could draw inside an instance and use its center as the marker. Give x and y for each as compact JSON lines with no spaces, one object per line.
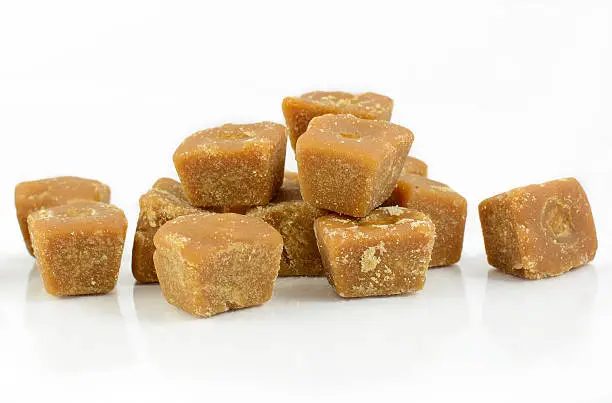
{"x":45,"y":193}
{"x":299,"y":111}
{"x":232,"y":165}
{"x":539,"y":231}
{"x":385,"y":253}
{"x":209,"y":264}
{"x":294,"y":219}
{"x":164,"y":202}
{"x":446,"y":208}
{"x":78,"y":247}
{"x":350,"y":165}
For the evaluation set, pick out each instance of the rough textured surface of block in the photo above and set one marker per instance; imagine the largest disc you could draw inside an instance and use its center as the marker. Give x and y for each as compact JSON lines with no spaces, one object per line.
{"x":350,"y":165}
{"x":446,"y":208}
{"x":45,"y":193}
{"x":232,"y":165}
{"x":299,"y":111}
{"x":385,"y":253}
{"x":209,"y":264}
{"x":78,"y":247}
{"x":295,"y":222}
{"x":540,"y":230}
{"x":164,"y":202}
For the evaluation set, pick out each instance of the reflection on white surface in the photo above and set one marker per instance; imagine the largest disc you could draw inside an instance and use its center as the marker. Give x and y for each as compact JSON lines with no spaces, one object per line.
{"x":309,"y":330}
{"x":91,"y":333}
{"x":533,"y":319}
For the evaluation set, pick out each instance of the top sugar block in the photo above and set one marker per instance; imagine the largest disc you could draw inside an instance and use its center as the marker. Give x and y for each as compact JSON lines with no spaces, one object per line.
{"x":299,"y":111}
{"x":350,"y":165}
{"x":46,"y":193}
{"x":232,"y":165}
{"x":539,"y":231}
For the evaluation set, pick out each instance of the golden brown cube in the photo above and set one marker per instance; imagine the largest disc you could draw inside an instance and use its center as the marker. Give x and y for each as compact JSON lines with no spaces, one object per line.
{"x":446,"y":208}
{"x":78,"y":247}
{"x":299,"y":111}
{"x":350,"y":165}
{"x":232,"y":165}
{"x":164,"y":202}
{"x":414,"y":166}
{"x":385,"y":253}
{"x":45,"y":193}
{"x":208,"y":264}
{"x":539,"y":231}
{"x":294,"y":219}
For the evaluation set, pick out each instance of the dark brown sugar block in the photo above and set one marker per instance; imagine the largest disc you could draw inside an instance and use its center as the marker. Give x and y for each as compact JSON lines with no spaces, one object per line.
{"x":385,"y":253}
{"x":232,"y":165}
{"x":539,"y":231}
{"x":414,"y":166}
{"x":350,"y":165}
{"x":164,"y":202}
{"x":78,"y":247}
{"x":446,"y":208}
{"x":46,"y":193}
{"x":208,"y":264}
{"x":299,"y":111}
{"x":290,"y":190}
{"x":295,"y":222}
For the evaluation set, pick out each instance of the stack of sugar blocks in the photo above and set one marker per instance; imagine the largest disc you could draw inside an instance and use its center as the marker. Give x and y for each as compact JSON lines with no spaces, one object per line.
{"x":359,"y":211}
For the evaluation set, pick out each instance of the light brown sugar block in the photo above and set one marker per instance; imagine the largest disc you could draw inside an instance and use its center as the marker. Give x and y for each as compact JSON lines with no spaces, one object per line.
{"x":232,"y":165}
{"x":385,"y":253}
{"x":350,"y":165}
{"x":446,"y":208}
{"x":208,"y":264}
{"x":78,"y":247}
{"x":164,"y":202}
{"x":46,"y":193}
{"x":414,"y":166}
{"x":295,"y":222}
{"x":539,"y":231}
{"x":299,"y":111}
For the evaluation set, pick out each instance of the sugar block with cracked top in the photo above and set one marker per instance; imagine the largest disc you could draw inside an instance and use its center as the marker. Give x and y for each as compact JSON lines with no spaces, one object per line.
{"x":385,"y":253}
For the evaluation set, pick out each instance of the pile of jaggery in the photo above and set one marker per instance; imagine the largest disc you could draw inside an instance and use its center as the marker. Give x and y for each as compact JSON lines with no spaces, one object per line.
{"x":359,"y":211}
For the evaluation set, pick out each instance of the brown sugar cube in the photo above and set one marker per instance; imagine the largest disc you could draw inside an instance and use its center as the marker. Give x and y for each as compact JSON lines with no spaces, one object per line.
{"x":78,"y":247}
{"x":446,"y":208}
{"x":350,"y":165}
{"x":385,"y":253}
{"x":539,"y":231}
{"x":299,"y":111}
{"x":232,"y":165}
{"x":294,"y":219}
{"x":414,"y":166}
{"x":46,"y":193}
{"x":164,"y":202}
{"x":208,"y":264}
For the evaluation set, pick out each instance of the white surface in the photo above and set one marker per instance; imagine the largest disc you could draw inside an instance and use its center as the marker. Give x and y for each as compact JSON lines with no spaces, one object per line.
{"x":498,"y":93}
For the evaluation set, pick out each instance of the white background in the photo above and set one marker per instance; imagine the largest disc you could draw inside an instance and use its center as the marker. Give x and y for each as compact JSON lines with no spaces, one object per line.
{"x":499,"y":94}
